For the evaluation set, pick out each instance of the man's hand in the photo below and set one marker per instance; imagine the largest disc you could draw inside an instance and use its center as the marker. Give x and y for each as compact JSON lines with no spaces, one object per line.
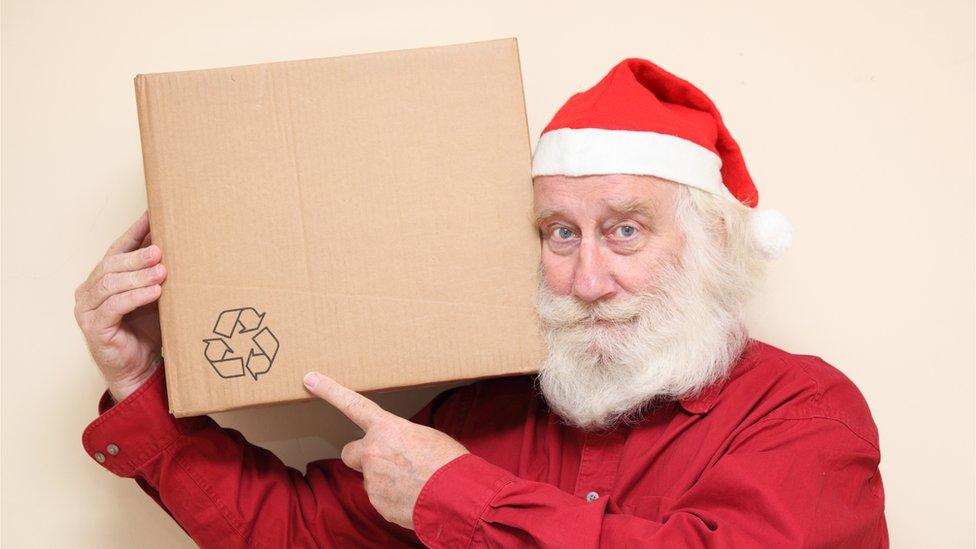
{"x":396,"y":456}
{"x":115,"y":307}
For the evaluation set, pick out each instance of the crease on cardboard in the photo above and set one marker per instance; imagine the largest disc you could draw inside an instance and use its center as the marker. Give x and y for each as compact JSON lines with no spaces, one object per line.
{"x":289,"y":135}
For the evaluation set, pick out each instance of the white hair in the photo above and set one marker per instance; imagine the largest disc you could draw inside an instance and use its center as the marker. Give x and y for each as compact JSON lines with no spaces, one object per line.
{"x":668,"y":342}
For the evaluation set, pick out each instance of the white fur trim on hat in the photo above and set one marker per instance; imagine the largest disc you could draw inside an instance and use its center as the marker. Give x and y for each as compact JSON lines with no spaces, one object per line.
{"x":772,"y":232}
{"x":595,"y":151}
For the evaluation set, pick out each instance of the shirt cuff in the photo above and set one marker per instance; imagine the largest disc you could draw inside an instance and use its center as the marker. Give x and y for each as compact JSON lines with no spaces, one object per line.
{"x":129,"y":433}
{"x":453,"y":500}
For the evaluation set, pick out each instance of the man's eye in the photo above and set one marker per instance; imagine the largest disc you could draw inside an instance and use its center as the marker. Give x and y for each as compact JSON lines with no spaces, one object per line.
{"x":562,"y":232}
{"x":626,"y":231}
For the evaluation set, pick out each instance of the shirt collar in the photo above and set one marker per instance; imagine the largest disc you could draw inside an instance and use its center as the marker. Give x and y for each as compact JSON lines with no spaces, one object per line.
{"x":707,"y":398}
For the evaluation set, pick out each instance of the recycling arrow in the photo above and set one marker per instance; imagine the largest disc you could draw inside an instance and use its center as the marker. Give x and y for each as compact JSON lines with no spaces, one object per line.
{"x":261,"y":348}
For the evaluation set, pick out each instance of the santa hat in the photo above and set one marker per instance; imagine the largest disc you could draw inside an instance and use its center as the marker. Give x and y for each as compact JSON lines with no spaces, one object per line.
{"x":640,"y":119}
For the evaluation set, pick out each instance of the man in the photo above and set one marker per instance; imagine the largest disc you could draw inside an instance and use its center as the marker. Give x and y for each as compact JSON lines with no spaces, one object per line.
{"x":655,"y":420}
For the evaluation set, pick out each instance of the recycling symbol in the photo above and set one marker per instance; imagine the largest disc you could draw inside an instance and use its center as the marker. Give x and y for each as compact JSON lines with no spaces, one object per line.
{"x":242,"y":345}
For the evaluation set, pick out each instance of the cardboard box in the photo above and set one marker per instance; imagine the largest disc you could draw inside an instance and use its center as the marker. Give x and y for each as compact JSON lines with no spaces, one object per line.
{"x":367,"y":216}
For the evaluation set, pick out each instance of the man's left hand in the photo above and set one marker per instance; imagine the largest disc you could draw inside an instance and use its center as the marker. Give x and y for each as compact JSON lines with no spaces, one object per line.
{"x":395,"y":456}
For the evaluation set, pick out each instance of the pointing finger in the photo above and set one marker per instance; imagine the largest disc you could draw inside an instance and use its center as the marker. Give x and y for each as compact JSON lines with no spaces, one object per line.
{"x":361,"y":410}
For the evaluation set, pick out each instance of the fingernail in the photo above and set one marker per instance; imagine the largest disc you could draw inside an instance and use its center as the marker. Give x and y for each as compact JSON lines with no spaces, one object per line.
{"x":147,"y":252}
{"x":311,"y":380}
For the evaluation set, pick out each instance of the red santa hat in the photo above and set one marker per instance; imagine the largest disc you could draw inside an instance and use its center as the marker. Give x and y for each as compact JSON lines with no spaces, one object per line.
{"x":640,"y":119}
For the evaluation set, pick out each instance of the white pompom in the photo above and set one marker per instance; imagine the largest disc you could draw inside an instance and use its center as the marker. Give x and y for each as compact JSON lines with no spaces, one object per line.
{"x":771,"y":232}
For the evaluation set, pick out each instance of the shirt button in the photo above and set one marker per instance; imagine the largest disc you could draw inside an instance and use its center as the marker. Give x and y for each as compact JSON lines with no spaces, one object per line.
{"x":592,"y":496}
{"x":112,"y":449}
{"x":99,"y":457}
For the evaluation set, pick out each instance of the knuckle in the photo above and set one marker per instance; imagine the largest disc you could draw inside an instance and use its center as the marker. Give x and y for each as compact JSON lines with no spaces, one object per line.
{"x":350,"y":402}
{"x":100,"y":269}
{"x":113,"y":303}
{"x":359,"y":408}
{"x":106,"y":283}
{"x":151,"y":273}
{"x":85,"y":322}
{"x":103,"y":285}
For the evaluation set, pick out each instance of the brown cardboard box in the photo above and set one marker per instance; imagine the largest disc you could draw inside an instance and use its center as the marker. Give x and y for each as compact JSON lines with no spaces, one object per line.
{"x":367,"y":216}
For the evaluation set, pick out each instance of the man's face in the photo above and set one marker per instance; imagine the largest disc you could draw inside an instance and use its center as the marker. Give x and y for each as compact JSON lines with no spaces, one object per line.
{"x":633,"y":307}
{"x":605,"y":237}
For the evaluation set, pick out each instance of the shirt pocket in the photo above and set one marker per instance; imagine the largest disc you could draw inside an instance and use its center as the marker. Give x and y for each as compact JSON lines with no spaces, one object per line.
{"x":655,"y":508}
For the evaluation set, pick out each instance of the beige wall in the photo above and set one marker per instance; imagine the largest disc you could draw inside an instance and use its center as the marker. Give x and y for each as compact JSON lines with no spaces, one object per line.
{"x":856,"y":119}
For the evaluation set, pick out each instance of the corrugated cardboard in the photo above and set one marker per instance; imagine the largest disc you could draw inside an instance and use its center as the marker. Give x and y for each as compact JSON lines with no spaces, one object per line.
{"x":366,"y":216}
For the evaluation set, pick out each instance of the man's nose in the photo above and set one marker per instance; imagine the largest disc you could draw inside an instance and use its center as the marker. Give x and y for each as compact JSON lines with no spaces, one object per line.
{"x":592,"y":280}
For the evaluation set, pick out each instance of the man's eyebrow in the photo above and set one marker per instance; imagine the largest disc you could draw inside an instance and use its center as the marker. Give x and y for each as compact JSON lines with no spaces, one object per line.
{"x":643,"y":207}
{"x":544,"y":215}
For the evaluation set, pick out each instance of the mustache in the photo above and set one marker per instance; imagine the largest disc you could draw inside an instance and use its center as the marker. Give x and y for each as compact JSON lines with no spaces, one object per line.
{"x":559,"y":311}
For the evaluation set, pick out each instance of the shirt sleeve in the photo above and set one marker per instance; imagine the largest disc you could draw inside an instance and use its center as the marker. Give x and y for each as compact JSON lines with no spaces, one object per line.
{"x":226,"y":492}
{"x":808,"y":482}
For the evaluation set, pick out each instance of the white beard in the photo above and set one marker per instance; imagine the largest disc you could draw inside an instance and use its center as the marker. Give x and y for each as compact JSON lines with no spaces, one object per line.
{"x":662,"y":345}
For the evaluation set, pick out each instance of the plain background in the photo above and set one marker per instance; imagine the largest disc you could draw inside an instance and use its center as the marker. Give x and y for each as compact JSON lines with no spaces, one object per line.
{"x":856,"y":119}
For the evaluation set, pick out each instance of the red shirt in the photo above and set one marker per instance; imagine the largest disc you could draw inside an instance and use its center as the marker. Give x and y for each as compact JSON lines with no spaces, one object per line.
{"x":783,"y":453}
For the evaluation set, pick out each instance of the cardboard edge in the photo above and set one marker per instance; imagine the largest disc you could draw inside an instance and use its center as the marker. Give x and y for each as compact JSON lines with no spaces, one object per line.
{"x":525,"y":108}
{"x":530,"y":214}
{"x":447,"y":384}
{"x":140,"y":84}
{"x":282,"y":62}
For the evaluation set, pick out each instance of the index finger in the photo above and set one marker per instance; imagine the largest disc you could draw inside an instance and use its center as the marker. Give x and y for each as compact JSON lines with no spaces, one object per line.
{"x":132,"y":237}
{"x":361,"y":410}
